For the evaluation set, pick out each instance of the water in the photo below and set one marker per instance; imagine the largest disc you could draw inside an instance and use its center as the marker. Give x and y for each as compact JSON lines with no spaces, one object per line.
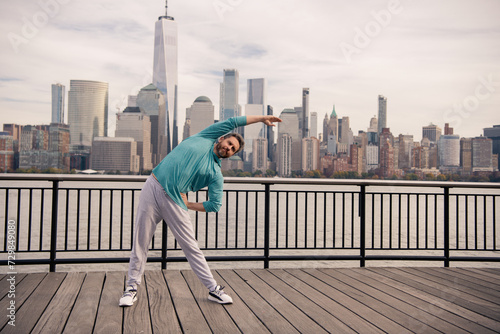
{"x":328,"y":219}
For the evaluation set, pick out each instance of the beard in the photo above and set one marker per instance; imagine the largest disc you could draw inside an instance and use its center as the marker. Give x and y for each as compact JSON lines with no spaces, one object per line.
{"x":221,"y":152}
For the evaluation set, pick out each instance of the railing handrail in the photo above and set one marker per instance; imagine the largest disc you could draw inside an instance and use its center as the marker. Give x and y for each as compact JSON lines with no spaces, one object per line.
{"x":257,"y":180}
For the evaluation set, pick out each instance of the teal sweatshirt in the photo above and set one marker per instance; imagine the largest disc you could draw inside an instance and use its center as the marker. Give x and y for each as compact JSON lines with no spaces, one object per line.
{"x":193,"y":165}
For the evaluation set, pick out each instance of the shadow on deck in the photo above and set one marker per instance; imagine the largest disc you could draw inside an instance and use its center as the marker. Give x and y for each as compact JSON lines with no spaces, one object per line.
{"x":365,"y":300}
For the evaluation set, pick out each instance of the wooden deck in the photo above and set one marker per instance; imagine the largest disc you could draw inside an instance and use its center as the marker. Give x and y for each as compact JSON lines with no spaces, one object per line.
{"x":363,"y":300}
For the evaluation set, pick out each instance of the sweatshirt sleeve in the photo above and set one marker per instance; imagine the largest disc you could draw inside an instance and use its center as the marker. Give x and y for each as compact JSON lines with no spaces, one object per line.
{"x":219,"y":129}
{"x":214,"y":202}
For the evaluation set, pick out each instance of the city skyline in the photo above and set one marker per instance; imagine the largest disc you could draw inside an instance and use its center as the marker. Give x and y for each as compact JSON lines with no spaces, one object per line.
{"x":438,"y":66}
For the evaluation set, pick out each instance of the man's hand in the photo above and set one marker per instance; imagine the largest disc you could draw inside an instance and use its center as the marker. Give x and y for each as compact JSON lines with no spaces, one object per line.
{"x":267,"y":120}
{"x":192,"y":205}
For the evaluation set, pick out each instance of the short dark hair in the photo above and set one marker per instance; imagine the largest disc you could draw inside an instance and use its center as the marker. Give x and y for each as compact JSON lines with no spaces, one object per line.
{"x":240,"y":140}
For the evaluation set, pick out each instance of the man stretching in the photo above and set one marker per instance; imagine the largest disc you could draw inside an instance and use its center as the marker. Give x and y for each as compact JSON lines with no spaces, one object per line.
{"x":191,"y":166}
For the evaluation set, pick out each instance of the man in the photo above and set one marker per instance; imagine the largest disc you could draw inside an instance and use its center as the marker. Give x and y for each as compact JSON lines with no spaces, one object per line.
{"x":191,"y":166}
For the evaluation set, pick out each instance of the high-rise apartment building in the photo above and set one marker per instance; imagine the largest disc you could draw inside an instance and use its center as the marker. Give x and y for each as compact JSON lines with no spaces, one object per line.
{"x":432,"y":132}
{"x":482,"y":148}
{"x":200,"y":114}
{"x":466,"y":155}
{"x":270,"y":137}
{"x":290,"y":125}
{"x":405,"y":151}
{"x":87,"y":112}
{"x":152,"y":102}
{"x":310,"y":154}
{"x":6,"y":152}
{"x":58,"y":98}
{"x":313,"y":128}
{"x":304,"y":117}
{"x":449,"y":151}
{"x":259,"y":155}
{"x":229,"y":90}
{"x":115,"y":154}
{"x":165,"y":75}
{"x":382,"y":114}
{"x":134,"y":123}
{"x":494,"y":134}
{"x":256,"y":105}
{"x":284,"y":152}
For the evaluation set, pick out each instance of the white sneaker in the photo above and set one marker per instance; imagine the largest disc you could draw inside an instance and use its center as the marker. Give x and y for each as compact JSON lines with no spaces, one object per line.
{"x":219,"y":296}
{"x":129,"y":296}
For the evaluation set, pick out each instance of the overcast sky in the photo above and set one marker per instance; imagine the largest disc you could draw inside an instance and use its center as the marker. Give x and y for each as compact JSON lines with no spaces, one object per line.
{"x":435,"y":61}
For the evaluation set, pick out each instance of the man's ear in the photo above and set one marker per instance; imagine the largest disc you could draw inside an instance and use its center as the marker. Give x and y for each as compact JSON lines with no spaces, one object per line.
{"x":220,"y":139}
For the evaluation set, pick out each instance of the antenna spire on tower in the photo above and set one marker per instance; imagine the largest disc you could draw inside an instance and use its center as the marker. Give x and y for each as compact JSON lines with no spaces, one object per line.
{"x":166,"y":8}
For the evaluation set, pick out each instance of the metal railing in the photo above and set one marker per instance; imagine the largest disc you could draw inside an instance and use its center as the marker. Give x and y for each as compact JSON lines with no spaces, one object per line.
{"x":74,"y":219}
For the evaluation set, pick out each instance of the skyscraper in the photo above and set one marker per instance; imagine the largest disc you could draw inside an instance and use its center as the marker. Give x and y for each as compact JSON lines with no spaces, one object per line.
{"x":431,"y":131}
{"x":58,"y":94}
{"x":313,"y":129}
{"x":449,"y":151}
{"x":292,"y":143}
{"x":382,"y":113}
{"x":152,"y":102}
{"x":201,"y":114}
{"x":229,"y":88}
{"x":305,"y":113}
{"x":87,"y":112}
{"x":165,"y":73}
{"x":494,"y":134}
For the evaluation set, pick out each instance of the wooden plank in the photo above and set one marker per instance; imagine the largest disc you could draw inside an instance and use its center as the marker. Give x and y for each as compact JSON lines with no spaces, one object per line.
{"x":23,"y":291}
{"x":109,"y":314}
{"x":439,"y":292}
{"x":469,"y":278}
{"x":412,"y":312}
{"x":345,"y":315}
{"x":288,"y":310}
{"x":240,"y":313}
{"x":84,"y":312}
{"x":448,"y":310}
{"x":483,"y":274}
{"x":6,"y":281}
{"x":269,"y":316}
{"x":303,"y":303}
{"x":57,"y":312}
{"x":454,"y":286}
{"x":136,"y":319}
{"x":456,"y":280}
{"x":215,"y":314}
{"x":350,"y":299}
{"x":28,"y":315}
{"x":191,"y":318}
{"x":163,"y":317}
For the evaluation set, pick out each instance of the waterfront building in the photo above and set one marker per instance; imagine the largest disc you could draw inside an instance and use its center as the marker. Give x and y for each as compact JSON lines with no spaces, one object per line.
{"x":284,"y":154}
{"x":58,"y":98}
{"x":494,"y":134}
{"x":371,"y":156}
{"x":233,"y":163}
{"x":200,"y":114}
{"x":165,"y":77}
{"x":449,"y":153}
{"x":432,"y":132}
{"x":6,"y":152}
{"x":447,"y":129}
{"x":405,"y":151}
{"x":229,"y":92}
{"x":115,"y":154}
{"x":382,"y":114}
{"x":310,"y":154}
{"x":270,"y":137}
{"x":259,"y":155}
{"x":304,"y":115}
{"x":466,"y":155}
{"x":87,"y":112}
{"x":313,"y":128}
{"x":482,"y":154}
{"x":290,"y":125}
{"x":152,"y":102}
{"x":133,"y":122}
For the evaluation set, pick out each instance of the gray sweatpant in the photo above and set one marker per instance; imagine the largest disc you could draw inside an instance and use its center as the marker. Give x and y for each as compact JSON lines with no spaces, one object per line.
{"x":155,"y":205}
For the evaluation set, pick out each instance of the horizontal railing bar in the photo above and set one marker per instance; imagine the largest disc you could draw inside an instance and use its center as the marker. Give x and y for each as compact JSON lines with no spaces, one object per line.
{"x":255,"y":180}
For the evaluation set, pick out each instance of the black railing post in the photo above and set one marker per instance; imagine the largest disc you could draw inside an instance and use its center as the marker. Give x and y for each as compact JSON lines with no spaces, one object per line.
{"x":53,"y":226}
{"x":267,"y":207}
{"x":446,"y":208}
{"x":362,"y":221}
{"x":163,"y":245}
